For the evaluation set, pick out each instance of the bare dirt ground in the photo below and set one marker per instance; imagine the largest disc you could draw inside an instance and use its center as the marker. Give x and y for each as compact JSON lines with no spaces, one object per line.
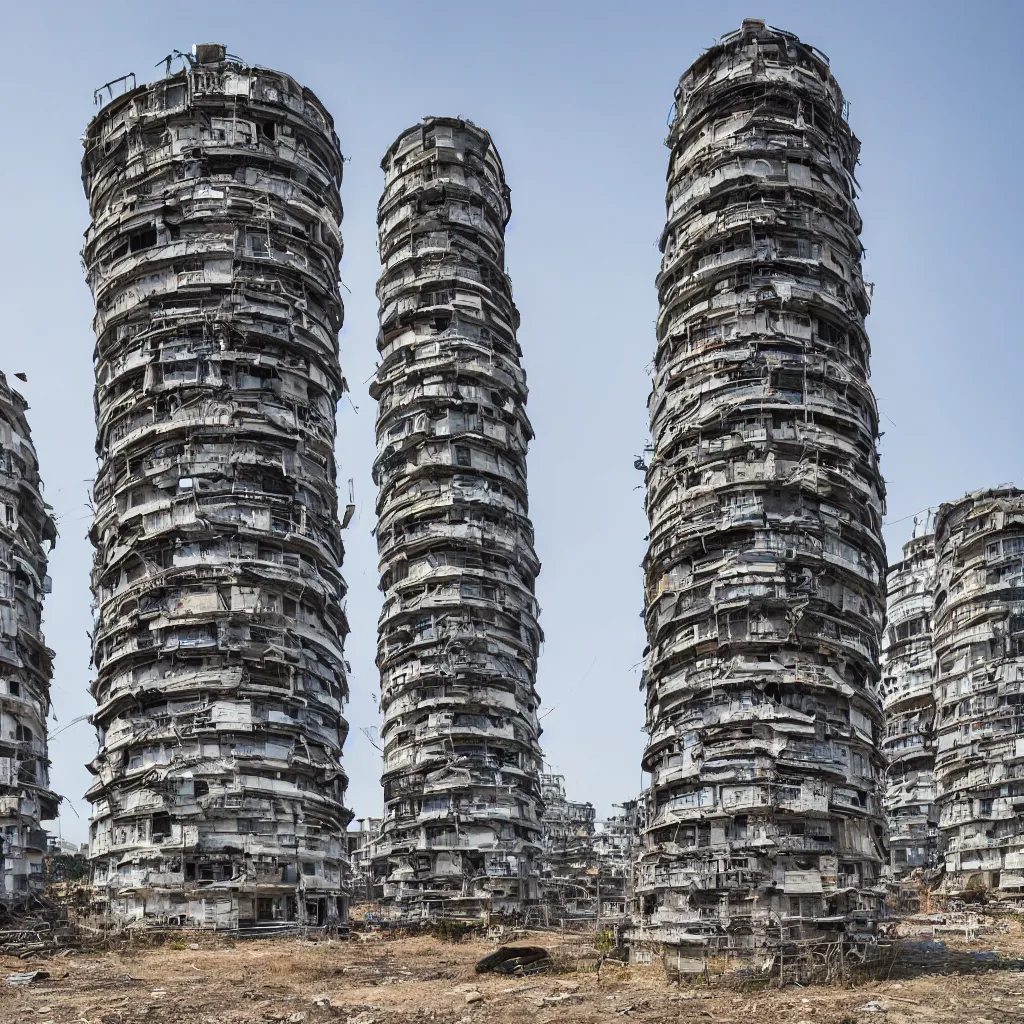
{"x":420,"y":979}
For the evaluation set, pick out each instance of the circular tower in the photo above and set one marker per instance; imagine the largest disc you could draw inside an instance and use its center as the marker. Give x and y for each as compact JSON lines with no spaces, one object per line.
{"x":213,"y":261}
{"x":978,"y":636}
{"x":765,"y":569}
{"x":458,"y":635}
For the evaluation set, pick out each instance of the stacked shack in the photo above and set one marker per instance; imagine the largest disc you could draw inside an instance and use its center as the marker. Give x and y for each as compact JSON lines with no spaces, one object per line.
{"x":765,"y":569}
{"x":213,"y":260}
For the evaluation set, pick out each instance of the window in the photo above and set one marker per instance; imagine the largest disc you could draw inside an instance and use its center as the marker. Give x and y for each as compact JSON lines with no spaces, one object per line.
{"x":142,"y":239}
{"x":258,"y":243}
{"x":463,"y":457}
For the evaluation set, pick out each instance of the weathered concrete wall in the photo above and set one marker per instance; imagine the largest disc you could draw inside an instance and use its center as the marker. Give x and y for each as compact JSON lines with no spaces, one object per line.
{"x":213,"y":260}
{"x":909,"y":705}
{"x":978,"y":636}
{"x":26,"y":663}
{"x":458,"y":637}
{"x":765,"y":568}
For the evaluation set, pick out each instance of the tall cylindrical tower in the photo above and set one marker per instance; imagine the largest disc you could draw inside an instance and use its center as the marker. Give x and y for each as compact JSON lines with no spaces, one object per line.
{"x":909,"y":705}
{"x":765,"y":567}
{"x":458,"y":637}
{"x":213,"y":260}
{"x":978,"y":636}
{"x":26,"y":663}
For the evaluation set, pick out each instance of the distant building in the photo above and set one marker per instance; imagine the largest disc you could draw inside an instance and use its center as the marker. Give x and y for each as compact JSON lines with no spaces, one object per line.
{"x":909,"y":705}
{"x":616,"y":848}
{"x":569,"y":868}
{"x":587,"y":868}
{"x":360,"y":855}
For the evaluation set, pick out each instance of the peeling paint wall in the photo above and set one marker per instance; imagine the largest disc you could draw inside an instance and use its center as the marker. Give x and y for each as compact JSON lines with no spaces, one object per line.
{"x":978,"y":636}
{"x":26,"y":663}
{"x":909,"y":705}
{"x":458,"y":636}
{"x":213,"y":261}
{"x":765,"y":568}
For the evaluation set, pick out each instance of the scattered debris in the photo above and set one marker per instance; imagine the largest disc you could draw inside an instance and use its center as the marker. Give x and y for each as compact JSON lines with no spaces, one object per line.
{"x":586,"y":868}
{"x":515,"y":960}
{"x":558,"y":1000}
{"x":27,"y":977}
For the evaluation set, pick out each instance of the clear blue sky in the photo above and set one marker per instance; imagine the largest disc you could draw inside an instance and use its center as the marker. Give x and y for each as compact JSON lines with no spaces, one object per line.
{"x":576,"y":96}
